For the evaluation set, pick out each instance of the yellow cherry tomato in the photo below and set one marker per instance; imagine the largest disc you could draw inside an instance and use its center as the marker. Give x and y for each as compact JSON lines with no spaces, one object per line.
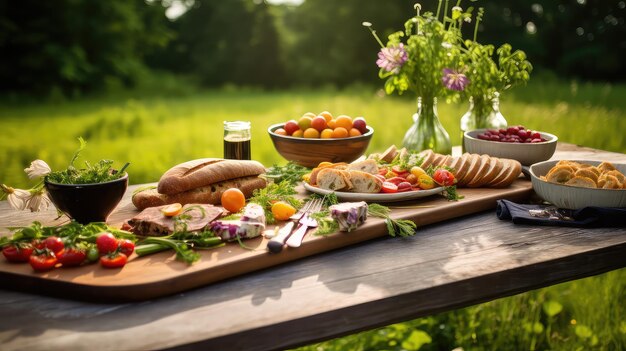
{"x":282,"y":210}
{"x":417,"y":171}
{"x":172,"y":210}
{"x":425,"y":182}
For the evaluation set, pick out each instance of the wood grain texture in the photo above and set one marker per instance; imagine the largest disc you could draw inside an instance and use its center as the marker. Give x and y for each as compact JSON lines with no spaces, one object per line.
{"x":447,"y":265}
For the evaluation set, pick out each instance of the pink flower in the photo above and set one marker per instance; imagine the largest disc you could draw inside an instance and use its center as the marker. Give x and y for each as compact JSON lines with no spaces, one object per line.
{"x":454,"y":80}
{"x":392,"y":58}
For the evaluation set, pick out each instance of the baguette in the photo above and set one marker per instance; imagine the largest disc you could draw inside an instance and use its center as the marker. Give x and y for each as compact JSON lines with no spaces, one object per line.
{"x":512,"y":173}
{"x":368,"y":166}
{"x":204,"y":172}
{"x":334,"y":179}
{"x":363,"y":182}
{"x":210,"y":194}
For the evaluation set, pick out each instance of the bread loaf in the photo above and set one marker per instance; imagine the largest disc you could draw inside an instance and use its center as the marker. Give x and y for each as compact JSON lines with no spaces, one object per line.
{"x":210,"y":194}
{"x":202,"y":172}
{"x":334,"y":179}
{"x":363,"y":182}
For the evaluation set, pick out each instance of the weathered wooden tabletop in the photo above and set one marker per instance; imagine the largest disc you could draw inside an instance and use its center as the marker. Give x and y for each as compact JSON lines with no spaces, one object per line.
{"x":445,"y":266}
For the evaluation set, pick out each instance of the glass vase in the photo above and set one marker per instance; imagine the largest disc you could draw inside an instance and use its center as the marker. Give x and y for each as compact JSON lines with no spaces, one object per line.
{"x":426,"y":131}
{"x":483,"y":113}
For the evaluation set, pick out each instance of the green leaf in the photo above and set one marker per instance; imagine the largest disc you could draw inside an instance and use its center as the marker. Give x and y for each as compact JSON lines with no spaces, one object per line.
{"x":583,"y":331}
{"x":416,"y":340}
{"x":552,"y":308}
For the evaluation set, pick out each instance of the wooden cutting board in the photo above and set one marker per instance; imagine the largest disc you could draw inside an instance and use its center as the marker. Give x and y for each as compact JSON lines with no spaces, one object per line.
{"x":160,"y":274}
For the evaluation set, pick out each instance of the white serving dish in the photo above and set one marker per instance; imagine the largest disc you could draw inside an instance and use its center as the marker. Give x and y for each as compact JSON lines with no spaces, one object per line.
{"x":525,"y":153}
{"x":572,"y":197}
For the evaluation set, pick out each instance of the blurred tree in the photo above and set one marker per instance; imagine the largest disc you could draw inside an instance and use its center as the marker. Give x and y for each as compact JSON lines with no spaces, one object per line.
{"x":222,"y":42}
{"x":75,"y":45}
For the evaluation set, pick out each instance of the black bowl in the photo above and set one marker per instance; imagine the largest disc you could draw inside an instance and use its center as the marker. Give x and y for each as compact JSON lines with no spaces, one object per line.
{"x":87,"y":203}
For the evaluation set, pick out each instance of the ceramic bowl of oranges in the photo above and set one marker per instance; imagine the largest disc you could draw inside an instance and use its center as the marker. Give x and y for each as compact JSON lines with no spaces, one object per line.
{"x":315,"y":138}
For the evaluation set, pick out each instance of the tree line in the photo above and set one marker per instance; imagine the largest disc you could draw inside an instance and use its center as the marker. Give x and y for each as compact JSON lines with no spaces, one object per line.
{"x":78,"y":46}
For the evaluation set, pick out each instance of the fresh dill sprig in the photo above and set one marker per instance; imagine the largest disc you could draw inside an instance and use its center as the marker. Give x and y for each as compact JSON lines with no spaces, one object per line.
{"x":291,"y":173}
{"x":395,"y":227}
{"x":266,"y":197}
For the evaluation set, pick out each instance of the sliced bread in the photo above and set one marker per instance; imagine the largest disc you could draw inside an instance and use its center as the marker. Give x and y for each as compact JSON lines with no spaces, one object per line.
{"x":368,"y":166}
{"x":363,"y":182}
{"x":334,"y":179}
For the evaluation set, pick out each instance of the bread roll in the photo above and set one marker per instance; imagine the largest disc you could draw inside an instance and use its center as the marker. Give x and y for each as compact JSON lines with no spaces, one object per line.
{"x":206,"y":171}
{"x":210,"y":194}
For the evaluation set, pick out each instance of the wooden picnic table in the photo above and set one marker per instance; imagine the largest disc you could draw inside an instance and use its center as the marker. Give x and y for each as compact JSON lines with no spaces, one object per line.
{"x":447,"y":265}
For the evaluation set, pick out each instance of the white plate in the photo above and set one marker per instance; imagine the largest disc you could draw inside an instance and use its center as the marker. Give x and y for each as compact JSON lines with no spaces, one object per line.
{"x":377,"y":197}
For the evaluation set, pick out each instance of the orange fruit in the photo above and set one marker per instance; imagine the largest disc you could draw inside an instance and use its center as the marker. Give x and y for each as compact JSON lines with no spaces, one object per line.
{"x":344,"y":122}
{"x":311,"y":133}
{"x":354,"y":132}
{"x":298,"y":133}
{"x":332,"y":124}
{"x":309,"y":114}
{"x":233,"y":200}
{"x":280,"y":131}
{"x":172,"y":209}
{"x":326,"y":134}
{"x":327,"y":115}
{"x":340,"y":132}
{"x":282,"y":210}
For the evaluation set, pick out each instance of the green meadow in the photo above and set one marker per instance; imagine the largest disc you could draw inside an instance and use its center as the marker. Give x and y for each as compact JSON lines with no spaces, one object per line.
{"x":166,"y":124}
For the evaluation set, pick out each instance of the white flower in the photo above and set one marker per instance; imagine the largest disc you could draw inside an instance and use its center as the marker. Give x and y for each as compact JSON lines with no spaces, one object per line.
{"x":37,"y":169}
{"x":38,"y":201}
{"x":17,"y":197}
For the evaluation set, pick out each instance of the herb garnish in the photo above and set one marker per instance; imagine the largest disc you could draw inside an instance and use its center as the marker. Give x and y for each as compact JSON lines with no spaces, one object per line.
{"x":283,"y":191}
{"x":98,"y":173}
{"x":450,"y":191}
{"x":291,"y":172}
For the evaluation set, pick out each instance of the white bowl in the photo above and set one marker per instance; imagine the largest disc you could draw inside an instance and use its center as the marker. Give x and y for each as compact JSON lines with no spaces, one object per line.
{"x":573,"y":197}
{"x":525,"y":153}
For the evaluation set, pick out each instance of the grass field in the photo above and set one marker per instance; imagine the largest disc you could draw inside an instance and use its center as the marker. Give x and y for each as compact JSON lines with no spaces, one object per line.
{"x":157,"y":130}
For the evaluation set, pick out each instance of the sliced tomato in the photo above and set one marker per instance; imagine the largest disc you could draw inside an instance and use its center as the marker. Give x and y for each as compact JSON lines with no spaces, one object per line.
{"x":114,"y":260}
{"x":444,"y":177}
{"x":43,"y":260}
{"x":396,"y":180}
{"x":404,"y":186}
{"x":382,"y":171}
{"x":400,"y":171}
{"x":71,"y":256}
{"x":389,"y":188}
{"x":18,"y":252}
{"x":172,"y":209}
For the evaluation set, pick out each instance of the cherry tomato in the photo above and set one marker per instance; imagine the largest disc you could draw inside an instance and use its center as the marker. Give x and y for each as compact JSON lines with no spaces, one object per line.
{"x":18,"y":253}
{"x":389,"y":187}
{"x":43,"y":260}
{"x":71,"y":256}
{"x":92,"y":253}
{"x":54,"y":244}
{"x":282,"y":210}
{"x":233,"y":200}
{"x":425,"y":182}
{"x":126,"y":247}
{"x":114,"y":260}
{"x":106,"y":243}
{"x":444,"y":177}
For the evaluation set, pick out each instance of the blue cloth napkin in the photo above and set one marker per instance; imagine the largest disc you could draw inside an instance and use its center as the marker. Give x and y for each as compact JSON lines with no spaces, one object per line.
{"x":585,"y":217}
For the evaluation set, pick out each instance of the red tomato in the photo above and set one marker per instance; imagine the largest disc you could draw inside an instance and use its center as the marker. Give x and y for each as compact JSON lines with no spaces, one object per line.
{"x":54,"y":244}
{"x":382,"y":171}
{"x":389,"y":187}
{"x":44,"y":261}
{"x":71,"y":256}
{"x":18,"y":253}
{"x":106,"y":243}
{"x":114,"y":260}
{"x":444,"y":177}
{"x":126,"y":247}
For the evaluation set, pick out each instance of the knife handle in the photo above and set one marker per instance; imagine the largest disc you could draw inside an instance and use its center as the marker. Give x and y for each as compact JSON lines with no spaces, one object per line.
{"x":275,"y":245}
